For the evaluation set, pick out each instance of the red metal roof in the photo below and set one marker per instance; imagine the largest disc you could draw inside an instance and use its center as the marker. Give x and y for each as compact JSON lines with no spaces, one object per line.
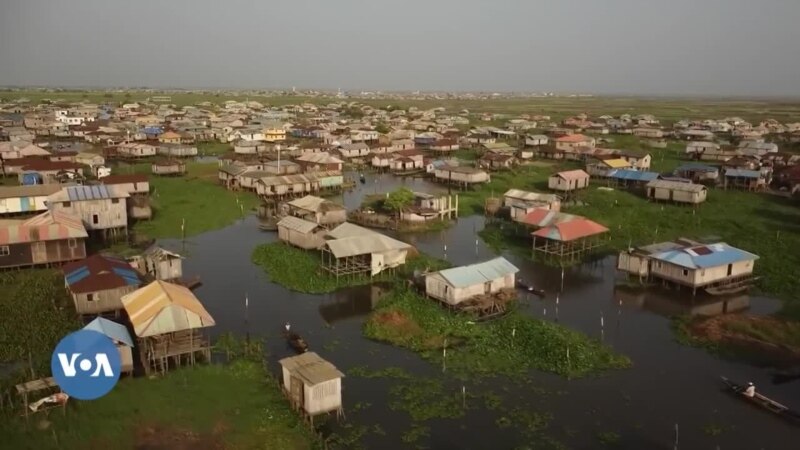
{"x":102,"y":275}
{"x":48,"y":226}
{"x":574,"y":138}
{"x":571,"y":230}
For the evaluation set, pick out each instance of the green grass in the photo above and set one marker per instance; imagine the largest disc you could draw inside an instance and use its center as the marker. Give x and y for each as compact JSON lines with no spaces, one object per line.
{"x":292,"y":267}
{"x":213,"y":148}
{"x":209,"y":406}
{"x":195,"y":197}
{"x":511,"y":345}
{"x":36,"y":313}
{"x":785,"y":334}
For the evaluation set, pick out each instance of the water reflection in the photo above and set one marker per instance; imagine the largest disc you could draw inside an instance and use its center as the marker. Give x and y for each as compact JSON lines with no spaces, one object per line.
{"x":668,"y":305}
{"x":353,"y":302}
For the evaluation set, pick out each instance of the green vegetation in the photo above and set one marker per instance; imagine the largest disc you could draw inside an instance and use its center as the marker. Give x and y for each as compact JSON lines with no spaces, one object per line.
{"x":399,"y":199}
{"x":213,"y":148}
{"x":212,"y":406}
{"x":195,"y":198}
{"x":425,"y":399}
{"x":290,"y":267}
{"x":511,"y":345}
{"x":608,"y":438}
{"x":36,"y":313}
{"x":416,"y":433}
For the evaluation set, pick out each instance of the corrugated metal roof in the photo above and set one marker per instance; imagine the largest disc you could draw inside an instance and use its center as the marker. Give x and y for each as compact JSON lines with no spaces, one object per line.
{"x":287,"y":179}
{"x":365,"y":244}
{"x":478,"y":273}
{"x":311,"y":368}
{"x":99,"y":273}
{"x":742,"y":173}
{"x":111,"y":329}
{"x":542,"y":217}
{"x":571,"y":230}
{"x":81,"y":193}
{"x":48,"y":226}
{"x":297,"y":224}
{"x":348,"y":229}
{"x":676,"y":186}
{"x":632,"y":175}
{"x":577,"y":174}
{"x":518,"y":194}
{"x":617,"y":163}
{"x":704,"y":256}
{"x":696,"y":167}
{"x":162,"y":307}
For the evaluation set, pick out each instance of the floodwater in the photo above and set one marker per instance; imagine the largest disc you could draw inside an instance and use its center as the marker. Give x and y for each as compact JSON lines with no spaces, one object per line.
{"x":669,"y":387}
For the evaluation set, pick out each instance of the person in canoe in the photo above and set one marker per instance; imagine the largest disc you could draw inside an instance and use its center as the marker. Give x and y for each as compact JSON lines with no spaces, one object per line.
{"x":750,"y":391}
{"x":287,"y":327}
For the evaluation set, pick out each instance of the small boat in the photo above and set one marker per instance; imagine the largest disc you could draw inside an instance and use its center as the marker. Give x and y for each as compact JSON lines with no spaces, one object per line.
{"x":363,"y":179}
{"x":296,"y":341}
{"x":530,"y":288}
{"x":733,"y":288}
{"x":268,"y":225}
{"x":762,"y":402}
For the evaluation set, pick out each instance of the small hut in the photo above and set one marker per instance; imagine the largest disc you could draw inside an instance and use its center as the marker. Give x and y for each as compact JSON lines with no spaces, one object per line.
{"x":97,"y":283}
{"x":568,"y":242}
{"x":676,"y":191}
{"x":122,"y":340}
{"x":354,"y":250}
{"x":168,"y":167}
{"x":313,"y":385}
{"x":168,"y":321}
{"x":301,"y":233}
{"x":317,"y":210}
{"x":459,"y":284}
{"x":568,"y":180}
{"x":159,"y":263}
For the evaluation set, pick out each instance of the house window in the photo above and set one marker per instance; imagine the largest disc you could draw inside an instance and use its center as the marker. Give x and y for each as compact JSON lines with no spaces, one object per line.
{"x":686,"y":272}
{"x":95,"y":219}
{"x":67,"y":204}
{"x":115,"y":200}
{"x":5,"y":251}
{"x":72,"y":243}
{"x":91,"y":297}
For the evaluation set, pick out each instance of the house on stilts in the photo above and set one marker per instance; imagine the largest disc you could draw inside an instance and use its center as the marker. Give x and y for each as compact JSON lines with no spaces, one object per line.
{"x":313,"y":385}
{"x":570,"y":241}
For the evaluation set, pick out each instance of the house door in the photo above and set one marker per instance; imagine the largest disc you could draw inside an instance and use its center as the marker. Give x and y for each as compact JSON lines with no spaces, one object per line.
{"x":296,"y":391}
{"x":652,"y":192}
{"x":39,"y":251}
{"x":730,"y":269}
{"x":95,"y":219}
{"x":487,"y":287}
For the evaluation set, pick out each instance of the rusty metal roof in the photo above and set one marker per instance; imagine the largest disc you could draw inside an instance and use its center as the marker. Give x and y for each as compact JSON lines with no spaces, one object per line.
{"x":571,"y":230}
{"x":48,"y":226}
{"x":162,"y":307}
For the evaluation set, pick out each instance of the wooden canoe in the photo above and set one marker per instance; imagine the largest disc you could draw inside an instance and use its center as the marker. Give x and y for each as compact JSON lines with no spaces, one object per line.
{"x":530,"y":288}
{"x":296,"y":341}
{"x":762,"y":402}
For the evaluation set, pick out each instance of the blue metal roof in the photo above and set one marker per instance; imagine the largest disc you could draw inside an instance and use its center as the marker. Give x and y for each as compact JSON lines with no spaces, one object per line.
{"x":478,"y":273}
{"x":742,"y":173}
{"x":704,"y":256}
{"x":129,"y":275}
{"x":111,"y":329}
{"x":153,"y":130}
{"x":633,"y":175}
{"x":77,"y":275}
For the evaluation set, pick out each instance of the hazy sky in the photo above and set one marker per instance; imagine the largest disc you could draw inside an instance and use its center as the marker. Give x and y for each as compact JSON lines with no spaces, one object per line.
{"x":725,"y":47}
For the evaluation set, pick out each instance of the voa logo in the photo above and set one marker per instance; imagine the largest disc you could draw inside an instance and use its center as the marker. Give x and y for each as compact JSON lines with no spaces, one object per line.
{"x":86,"y":364}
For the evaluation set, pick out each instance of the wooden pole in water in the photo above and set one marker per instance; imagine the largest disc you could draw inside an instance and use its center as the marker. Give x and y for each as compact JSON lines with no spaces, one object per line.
{"x":444,"y":356}
{"x":183,"y":229}
{"x":247,"y":317}
{"x":464,"y":397}
{"x":676,"y":437}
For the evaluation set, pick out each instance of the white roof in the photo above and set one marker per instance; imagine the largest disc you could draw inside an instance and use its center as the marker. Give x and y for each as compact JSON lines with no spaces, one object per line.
{"x":297,"y":224}
{"x":362,"y":245}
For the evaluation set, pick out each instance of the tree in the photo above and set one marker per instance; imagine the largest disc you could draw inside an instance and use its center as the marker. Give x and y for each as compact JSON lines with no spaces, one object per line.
{"x":382,"y":128}
{"x":399,"y":199}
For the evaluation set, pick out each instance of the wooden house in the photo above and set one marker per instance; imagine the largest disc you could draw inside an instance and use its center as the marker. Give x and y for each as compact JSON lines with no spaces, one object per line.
{"x":313,"y":385}
{"x":703,"y":266}
{"x":243,"y":147}
{"x":135,"y":151}
{"x":301,"y":233}
{"x":312,"y":162}
{"x":479,"y":139}
{"x":722,"y":154}
{"x":536,"y":140}
{"x":43,"y":171}
{"x":177,"y":150}
{"x":160,"y":264}
{"x":279,"y":167}
{"x":568,"y":241}
{"x":353,"y":250}
{"x":430,"y":207}
{"x":571,"y":142}
{"x":568,"y":180}
{"x":382,"y":162}
{"x":497,"y":161}
{"x":636,"y":261}
{"x":700,"y":147}
{"x":444,"y":146}
{"x":168,"y":167}
{"x":676,"y":191}
{"x":520,"y":203}
{"x":287,"y":186}
{"x":602,"y":167}
{"x":630,"y":178}
{"x":121,"y":338}
{"x":460,"y":175}
{"x":168,"y":322}
{"x":407,"y":161}
{"x":249,"y":179}
{"x":51,"y":238}
{"x":318,"y":210}
{"x":102,"y":208}
{"x":458,"y":284}
{"x":751,"y":180}
{"x":19,"y":200}
{"x":357,"y":150}
{"x":228,"y":175}
{"x":637,"y":160}
{"x":645,"y":132}
{"x":697,"y":172}
{"x":98,"y":282}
